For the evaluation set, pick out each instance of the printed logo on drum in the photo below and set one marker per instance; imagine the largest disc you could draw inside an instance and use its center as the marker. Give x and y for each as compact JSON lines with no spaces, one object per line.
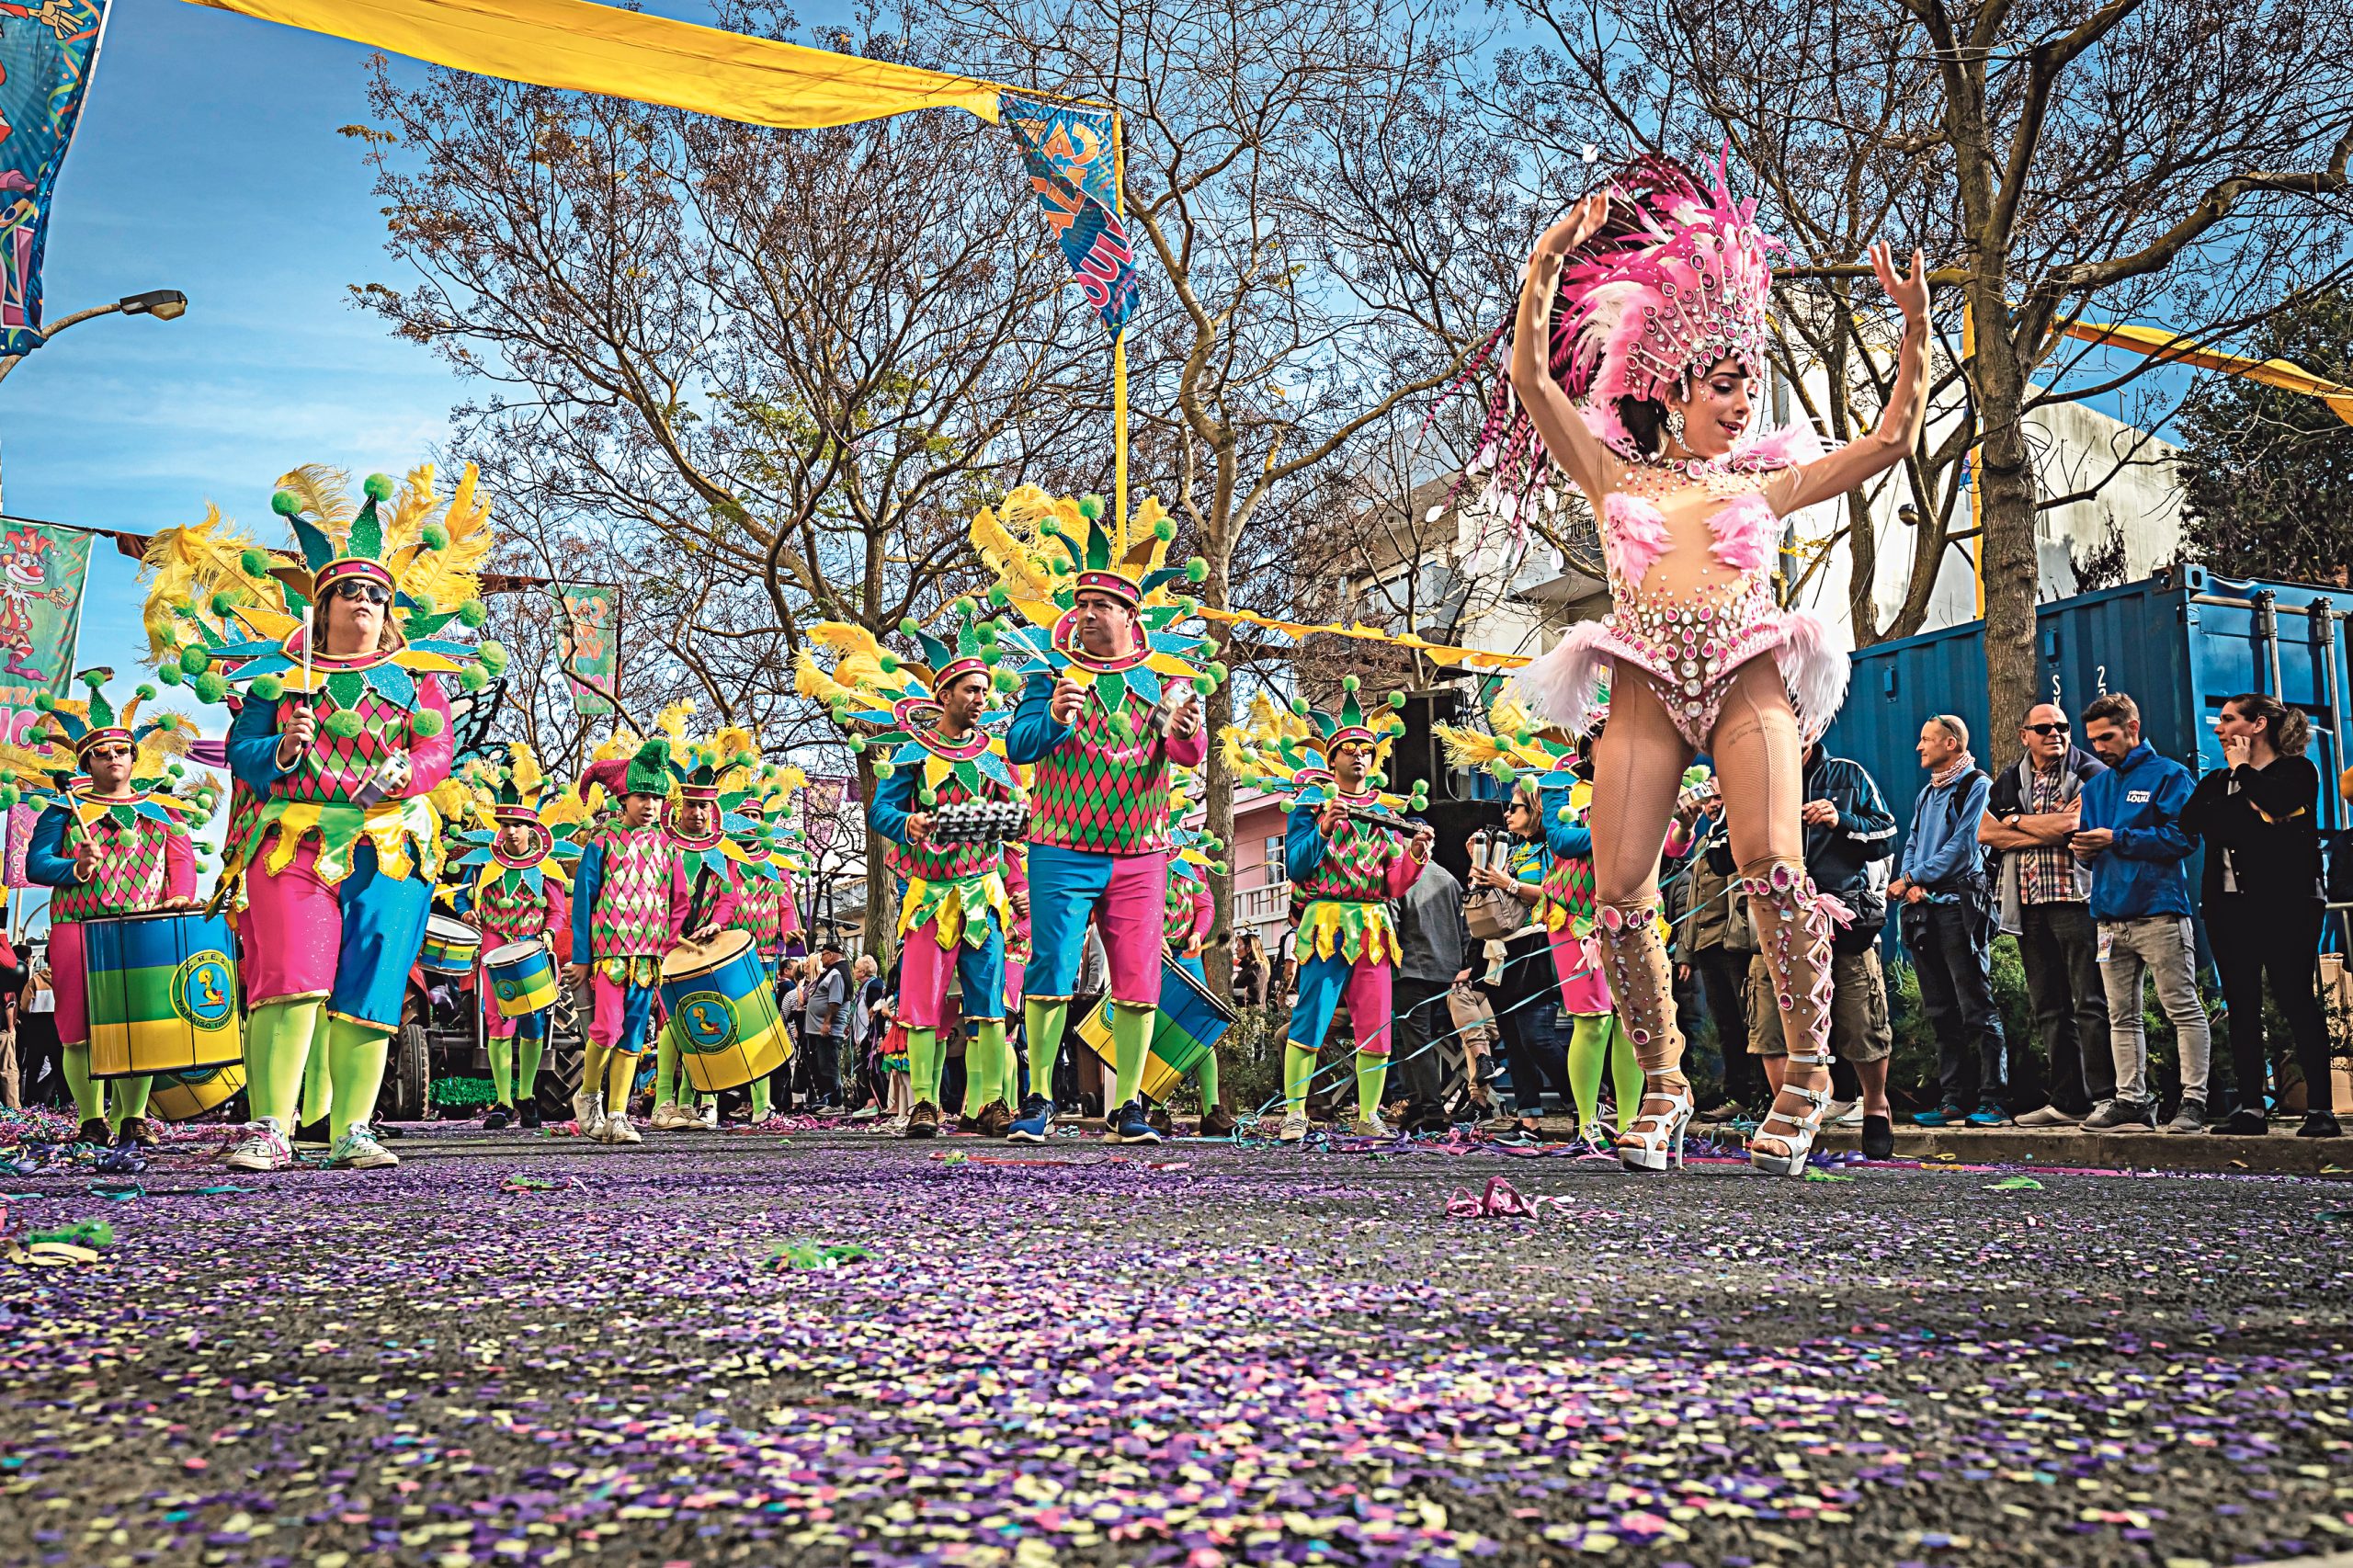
{"x":706,"y":1022}
{"x":202,"y":992}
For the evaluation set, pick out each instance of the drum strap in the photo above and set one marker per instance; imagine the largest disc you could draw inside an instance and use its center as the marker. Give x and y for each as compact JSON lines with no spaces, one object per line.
{"x":694,"y":902}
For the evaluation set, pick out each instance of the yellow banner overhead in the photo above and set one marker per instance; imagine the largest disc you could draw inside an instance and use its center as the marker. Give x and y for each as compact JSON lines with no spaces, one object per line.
{"x":624,"y":54}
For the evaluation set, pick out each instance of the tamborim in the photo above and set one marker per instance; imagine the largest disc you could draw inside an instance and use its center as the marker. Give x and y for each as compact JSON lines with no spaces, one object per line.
{"x":522,"y":978}
{"x":451,"y":946}
{"x":183,"y":1096}
{"x":723,"y":1013}
{"x":1186,"y":1029}
{"x":163,"y":993}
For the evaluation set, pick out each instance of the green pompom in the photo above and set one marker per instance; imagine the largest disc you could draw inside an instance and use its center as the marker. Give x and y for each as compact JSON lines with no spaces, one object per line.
{"x":343,"y":724}
{"x":1376,"y":779}
{"x":222,"y":605}
{"x":424,"y":604}
{"x":475,"y":678}
{"x":1350,"y":683}
{"x":269,"y":688}
{"x":1005,"y":680}
{"x":1163,"y":530}
{"x":256,"y":564}
{"x":377,"y":487}
{"x":889,"y":663}
{"x":44,"y":701}
{"x":1500,"y":769}
{"x":194,"y":661}
{"x":286,"y":504}
{"x":1565,"y":815}
{"x":144,"y":692}
{"x":998,"y":597}
{"x":425,"y":724}
{"x":1396,"y":700}
{"x":1051,"y":528}
{"x":928,"y":797}
{"x":433,"y":536}
{"x":1217,"y":671}
{"x":1090,"y":507}
{"x":1197,"y":570}
{"x":173,"y":769}
{"x":1218,"y":867}
{"x":168,"y":674}
{"x":986,"y":634}
{"x":8,"y":796}
{"x":858,"y":743}
{"x":1065,"y":597}
{"x":1299,"y":706}
{"x":965,"y":607}
{"x":909,"y":625}
{"x":473,"y":613}
{"x":495,"y":657}
{"x":884,"y":769}
{"x":39,"y":736}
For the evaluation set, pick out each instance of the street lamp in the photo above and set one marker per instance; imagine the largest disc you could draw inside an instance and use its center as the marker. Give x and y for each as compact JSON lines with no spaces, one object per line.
{"x":164,"y":304}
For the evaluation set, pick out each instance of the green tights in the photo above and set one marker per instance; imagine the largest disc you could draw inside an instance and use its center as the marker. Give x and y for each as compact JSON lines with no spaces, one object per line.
{"x":279,"y":1045}
{"x":1299,"y":1067}
{"x":1592,"y":1037}
{"x":90,"y":1097}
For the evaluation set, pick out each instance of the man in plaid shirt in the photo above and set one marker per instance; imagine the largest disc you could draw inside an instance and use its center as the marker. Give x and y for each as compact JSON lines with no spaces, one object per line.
{"x":2046,"y":903}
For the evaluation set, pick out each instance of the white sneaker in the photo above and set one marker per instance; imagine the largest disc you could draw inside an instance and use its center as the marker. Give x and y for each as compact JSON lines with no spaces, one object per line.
{"x":671,"y":1117}
{"x":588,"y":1110}
{"x":1369,"y":1127}
{"x":1294,"y":1129}
{"x":358,"y":1151}
{"x":710,"y":1117}
{"x":1852,"y":1115}
{"x":618,"y":1129}
{"x":263,"y":1148}
{"x":2048,"y":1116}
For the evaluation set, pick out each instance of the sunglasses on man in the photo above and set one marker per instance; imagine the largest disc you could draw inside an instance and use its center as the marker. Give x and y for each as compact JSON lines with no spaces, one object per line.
{"x":365,"y":593}
{"x":2044,"y":729}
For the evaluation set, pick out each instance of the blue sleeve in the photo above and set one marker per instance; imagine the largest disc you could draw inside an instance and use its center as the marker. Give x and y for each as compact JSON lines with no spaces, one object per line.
{"x":253,"y":745}
{"x":1302,"y":843}
{"x":585,"y":883}
{"x":46,"y":861}
{"x":464,"y":900}
{"x":1866,"y":819}
{"x":887,"y":813}
{"x":1958,"y":848}
{"x":2166,"y":840}
{"x":1034,"y":734}
{"x":1566,"y":840}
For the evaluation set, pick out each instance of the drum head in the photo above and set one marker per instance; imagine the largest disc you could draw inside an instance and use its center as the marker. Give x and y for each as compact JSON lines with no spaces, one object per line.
{"x":694,"y":958}
{"x":513,"y":952}
{"x":451,"y":930}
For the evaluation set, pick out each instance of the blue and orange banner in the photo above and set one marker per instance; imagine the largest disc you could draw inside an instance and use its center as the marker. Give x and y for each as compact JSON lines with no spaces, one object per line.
{"x":1071,"y":159}
{"x":41,"y":574}
{"x":47,"y":50}
{"x":590,"y":644}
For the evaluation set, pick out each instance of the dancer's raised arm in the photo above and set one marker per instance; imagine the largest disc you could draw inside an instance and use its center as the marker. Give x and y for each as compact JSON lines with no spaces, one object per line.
{"x":1567,"y":438}
{"x":1860,"y":461}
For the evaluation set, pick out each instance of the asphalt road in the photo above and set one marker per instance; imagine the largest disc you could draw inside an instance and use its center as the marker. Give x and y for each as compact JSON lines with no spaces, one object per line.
{"x":531,"y":1350}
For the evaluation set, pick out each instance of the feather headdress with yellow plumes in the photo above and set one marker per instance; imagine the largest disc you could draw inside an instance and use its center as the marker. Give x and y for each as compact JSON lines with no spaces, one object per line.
{"x":1515,"y":744}
{"x":516,"y":794}
{"x":1288,"y":752}
{"x":48,"y":769}
{"x":1046,"y":550}
{"x":881,"y":700}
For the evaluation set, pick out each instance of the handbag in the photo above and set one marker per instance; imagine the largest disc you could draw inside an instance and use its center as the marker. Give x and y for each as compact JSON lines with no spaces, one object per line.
{"x":1492,"y":913}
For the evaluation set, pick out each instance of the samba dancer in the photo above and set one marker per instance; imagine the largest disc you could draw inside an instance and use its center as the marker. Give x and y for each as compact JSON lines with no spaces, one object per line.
{"x":1345,"y":862}
{"x":1642,"y":397}
{"x":515,"y":888}
{"x":1102,"y":733}
{"x":342,"y":733}
{"x":109,"y":846}
{"x":956,"y":905}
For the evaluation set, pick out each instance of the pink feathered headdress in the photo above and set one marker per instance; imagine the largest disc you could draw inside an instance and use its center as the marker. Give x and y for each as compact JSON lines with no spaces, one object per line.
{"x":1676,"y":281}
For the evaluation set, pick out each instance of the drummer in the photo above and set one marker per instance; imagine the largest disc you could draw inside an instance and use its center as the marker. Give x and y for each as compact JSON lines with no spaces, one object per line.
{"x":112,"y":850}
{"x":706,"y":859}
{"x":763,"y":907}
{"x":514,"y":889}
{"x":628,"y":907}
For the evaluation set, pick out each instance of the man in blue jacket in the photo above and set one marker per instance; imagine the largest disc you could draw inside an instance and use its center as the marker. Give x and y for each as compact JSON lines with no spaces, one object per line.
{"x":2131,"y":839}
{"x":1948,"y":925}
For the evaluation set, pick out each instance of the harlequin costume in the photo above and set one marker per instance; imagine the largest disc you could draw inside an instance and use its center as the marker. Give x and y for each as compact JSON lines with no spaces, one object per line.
{"x":516,"y":896}
{"x":144,"y":858}
{"x":955,"y":903}
{"x":634,"y":898}
{"x":1520,"y":750}
{"x":343,"y":848}
{"x":1098,"y":829}
{"x":763,"y":847}
{"x":1340,"y":884}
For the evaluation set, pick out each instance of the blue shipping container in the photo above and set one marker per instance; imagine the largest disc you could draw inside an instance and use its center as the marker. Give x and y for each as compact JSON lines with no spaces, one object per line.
{"x":2180,"y":643}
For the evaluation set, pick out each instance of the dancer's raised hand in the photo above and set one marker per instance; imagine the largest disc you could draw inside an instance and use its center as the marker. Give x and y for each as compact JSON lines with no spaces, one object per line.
{"x":1910,"y":292}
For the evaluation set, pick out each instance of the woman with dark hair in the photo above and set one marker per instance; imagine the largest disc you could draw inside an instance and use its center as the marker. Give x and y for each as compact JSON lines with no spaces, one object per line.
{"x":1640,"y":337}
{"x":1526,"y":994}
{"x":2259,"y":816}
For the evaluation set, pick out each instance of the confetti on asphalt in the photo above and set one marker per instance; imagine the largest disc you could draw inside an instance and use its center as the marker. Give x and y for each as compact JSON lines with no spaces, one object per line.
{"x":1268,"y":1357}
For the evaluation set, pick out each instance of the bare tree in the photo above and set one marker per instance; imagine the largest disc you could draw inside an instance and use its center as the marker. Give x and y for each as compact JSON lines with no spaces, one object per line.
{"x":2180,"y":161}
{"x":768,"y":375}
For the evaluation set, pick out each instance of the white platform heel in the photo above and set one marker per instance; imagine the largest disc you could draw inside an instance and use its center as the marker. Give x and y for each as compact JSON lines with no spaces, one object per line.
{"x":1801,"y":1130}
{"x":1655,"y":1140}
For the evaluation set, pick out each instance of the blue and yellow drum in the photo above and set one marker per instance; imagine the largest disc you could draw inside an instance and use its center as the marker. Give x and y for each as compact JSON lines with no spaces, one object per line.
{"x":183,"y":1096}
{"x":1187,"y":1026}
{"x":522,"y":978}
{"x":451,"y":946}
{"x":722,"y":1012}
{"x":162,"y":995}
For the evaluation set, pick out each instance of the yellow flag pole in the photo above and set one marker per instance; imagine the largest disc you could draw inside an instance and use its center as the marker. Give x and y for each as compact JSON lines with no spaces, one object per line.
{"x":1118,"y":349}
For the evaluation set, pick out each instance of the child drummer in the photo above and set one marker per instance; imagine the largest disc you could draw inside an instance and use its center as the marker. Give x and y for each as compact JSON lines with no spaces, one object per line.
{"x":110,"y":848}
{"x":514,"y":890}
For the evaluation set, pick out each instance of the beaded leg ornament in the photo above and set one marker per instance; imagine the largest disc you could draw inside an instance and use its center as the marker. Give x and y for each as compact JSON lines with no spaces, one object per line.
{"x":1794,"y":924}
{"x":1643,"y":986}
